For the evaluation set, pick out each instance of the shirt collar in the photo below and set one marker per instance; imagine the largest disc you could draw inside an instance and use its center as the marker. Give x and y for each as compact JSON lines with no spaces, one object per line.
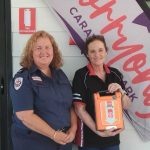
{"x":92,"y":72}
{"x":34,"y":69}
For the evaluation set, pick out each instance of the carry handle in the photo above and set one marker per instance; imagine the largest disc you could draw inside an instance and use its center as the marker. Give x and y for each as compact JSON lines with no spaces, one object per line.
{"x":105,"y":92}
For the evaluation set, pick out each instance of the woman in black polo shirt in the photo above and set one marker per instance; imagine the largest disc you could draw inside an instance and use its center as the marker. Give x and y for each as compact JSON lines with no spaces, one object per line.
{"x":94,"y":77}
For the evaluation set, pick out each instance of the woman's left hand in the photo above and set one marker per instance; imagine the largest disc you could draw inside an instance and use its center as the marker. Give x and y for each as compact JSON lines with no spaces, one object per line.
{"x":113,"y":87}
{"x":70,"y":135}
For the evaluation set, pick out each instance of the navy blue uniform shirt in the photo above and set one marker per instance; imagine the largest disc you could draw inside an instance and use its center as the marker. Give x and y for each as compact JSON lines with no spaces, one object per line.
{"x":50,"y":98}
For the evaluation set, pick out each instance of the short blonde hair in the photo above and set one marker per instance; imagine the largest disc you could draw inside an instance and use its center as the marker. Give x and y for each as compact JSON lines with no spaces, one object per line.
{"x":27,"y":55}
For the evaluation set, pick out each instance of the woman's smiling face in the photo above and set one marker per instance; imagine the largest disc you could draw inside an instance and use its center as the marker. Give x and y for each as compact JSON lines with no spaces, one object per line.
{"x":96,"y":53}
{"x":43,"y":52}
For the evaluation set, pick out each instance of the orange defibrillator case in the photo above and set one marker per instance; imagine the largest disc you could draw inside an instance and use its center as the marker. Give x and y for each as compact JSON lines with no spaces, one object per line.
{"x":108,"y":111}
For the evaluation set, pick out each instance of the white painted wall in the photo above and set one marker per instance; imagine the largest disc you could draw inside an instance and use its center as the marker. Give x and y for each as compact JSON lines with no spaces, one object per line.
{"x":71,"y":54}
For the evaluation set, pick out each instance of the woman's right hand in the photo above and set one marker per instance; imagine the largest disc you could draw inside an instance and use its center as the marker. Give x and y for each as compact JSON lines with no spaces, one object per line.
{"x":108,"y":133}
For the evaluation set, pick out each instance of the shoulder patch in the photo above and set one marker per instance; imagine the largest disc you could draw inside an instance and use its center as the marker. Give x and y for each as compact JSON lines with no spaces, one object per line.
{"x":21,"y":71}
{"x":18,"y":83}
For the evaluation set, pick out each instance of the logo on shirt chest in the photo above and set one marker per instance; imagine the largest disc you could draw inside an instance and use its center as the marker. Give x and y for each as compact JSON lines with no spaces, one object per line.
{"x":36,"y":78}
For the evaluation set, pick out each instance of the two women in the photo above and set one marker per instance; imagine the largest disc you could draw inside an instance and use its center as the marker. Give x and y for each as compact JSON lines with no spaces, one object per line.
{"x":42,"y":98}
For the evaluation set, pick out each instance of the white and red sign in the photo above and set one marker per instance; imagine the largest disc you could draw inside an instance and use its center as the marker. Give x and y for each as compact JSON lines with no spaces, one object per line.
{"x":126,"y":27}
{"x":27,"y":20}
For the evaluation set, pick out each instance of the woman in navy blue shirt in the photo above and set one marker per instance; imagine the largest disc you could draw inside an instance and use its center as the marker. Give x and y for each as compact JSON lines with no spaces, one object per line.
{"x":41,"y":95}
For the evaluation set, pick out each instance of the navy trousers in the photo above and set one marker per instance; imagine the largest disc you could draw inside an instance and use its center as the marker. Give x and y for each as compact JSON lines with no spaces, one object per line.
{"x":24,"y":139}
{"x":115,"y":147}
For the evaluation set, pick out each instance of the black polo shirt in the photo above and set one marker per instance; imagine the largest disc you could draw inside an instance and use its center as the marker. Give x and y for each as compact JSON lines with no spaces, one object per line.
{"x":85,"y":84}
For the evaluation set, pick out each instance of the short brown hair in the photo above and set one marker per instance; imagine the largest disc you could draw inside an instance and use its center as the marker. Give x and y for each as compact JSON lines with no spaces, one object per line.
{"x":94,"y":38}
{"x":27,"y":55}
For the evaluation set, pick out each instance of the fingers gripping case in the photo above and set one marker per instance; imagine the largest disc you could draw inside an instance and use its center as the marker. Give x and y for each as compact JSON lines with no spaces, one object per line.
{"x":108,"y":111}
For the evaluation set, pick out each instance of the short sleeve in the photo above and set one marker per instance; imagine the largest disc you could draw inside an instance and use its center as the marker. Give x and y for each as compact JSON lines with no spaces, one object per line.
{"x":79,"y":89}
{"x":21,"y":93}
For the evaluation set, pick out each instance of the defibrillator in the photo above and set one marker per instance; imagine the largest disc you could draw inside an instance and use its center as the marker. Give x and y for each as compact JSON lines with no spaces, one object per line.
{"x":108,"y":111}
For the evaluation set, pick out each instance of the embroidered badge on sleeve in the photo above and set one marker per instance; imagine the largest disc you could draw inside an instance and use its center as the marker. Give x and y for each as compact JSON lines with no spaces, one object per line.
{"x":18,"y":83}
